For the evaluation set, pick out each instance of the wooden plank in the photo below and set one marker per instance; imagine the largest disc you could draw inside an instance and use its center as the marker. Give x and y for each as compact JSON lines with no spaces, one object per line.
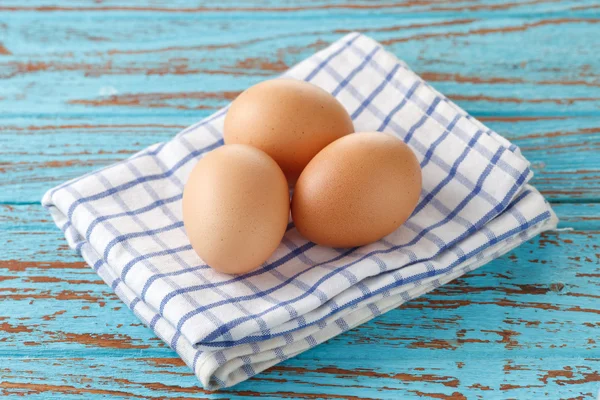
{"x":142,"y":71}
{"x":525,"y":324}
{"x":90,"y":98}
{"x":149,"y":377}
{"x":563,"y":152}
{"x":257,"y":6}
{"x":34,"y":157}
{"x":76,"y":96}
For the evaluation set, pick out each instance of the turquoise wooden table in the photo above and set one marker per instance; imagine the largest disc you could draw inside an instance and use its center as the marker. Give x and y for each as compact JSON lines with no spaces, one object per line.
{"x":86,"y":83}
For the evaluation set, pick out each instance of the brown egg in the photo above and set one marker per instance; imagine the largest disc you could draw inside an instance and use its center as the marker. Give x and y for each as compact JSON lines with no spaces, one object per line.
{"x":288,"y":119}
{"x":236,"y":206}
{"x":357,"y":190}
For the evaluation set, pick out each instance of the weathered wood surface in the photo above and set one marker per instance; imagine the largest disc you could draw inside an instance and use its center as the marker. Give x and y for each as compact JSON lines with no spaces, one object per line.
{"x":132,"y":74}
{"x":85,"y":83}
{"x":526,"y":323}
{"x":565,"y":152}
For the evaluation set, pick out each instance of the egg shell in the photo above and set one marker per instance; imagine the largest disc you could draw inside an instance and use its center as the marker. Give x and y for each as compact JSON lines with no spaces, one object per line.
{"x":291,"y":120}
{"x":357,"y":190}
{"x":235,"y":208}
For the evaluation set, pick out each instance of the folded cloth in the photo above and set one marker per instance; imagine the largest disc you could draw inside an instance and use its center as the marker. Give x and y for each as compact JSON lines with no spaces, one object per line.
{"x":476,"y":205}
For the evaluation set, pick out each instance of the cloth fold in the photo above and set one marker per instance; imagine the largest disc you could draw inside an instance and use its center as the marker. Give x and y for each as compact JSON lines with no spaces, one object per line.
{"x":476,"y":205}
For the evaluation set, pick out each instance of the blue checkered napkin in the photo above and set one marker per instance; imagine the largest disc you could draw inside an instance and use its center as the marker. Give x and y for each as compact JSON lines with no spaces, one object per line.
{"x":475,"y":205}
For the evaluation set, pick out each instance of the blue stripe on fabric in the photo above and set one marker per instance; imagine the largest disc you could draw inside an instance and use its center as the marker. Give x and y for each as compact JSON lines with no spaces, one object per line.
{"x":134,"y":303}
{"x":204,"y":121}
{"x":259,"y":271}
{"x":374,"y":94}
{"x":115,"y":283}
{"x":153,"y":152}
{"x":405,"y":99}
{"x":355,"y":71}
{"x":134,"y":235}
{"x":163,"y":252}
{"x":150,"y":191}
{"x":452,"y":172}
{"x":147,"y":178}
{"x":97,"y":264}
{"x":319,"y":67}
{"x":398,"y":85}
{"x":477,"y":188}
{"x":135,"y":156}
{"x":417,"y":144}
{"x":545,"y":215}
{"x":424,"y":118}
{"x":141,"y":210}
{"x":436,"y":142}
{"x":362,"y":106}
{"x":154,"y":321}
{"x":195,"y":360}
{"x":449,"y":177}
{"x":222,"y":330}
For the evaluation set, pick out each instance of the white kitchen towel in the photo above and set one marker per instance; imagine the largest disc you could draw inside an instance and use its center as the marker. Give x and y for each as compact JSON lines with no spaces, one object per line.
{"x":475,"y":205}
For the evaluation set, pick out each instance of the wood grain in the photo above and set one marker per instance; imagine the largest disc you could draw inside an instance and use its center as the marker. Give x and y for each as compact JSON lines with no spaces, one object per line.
{"x":86,"y":83}
{"x":526,"y":321}
{"x":127,"y":88}
{"x":563,"y":151}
